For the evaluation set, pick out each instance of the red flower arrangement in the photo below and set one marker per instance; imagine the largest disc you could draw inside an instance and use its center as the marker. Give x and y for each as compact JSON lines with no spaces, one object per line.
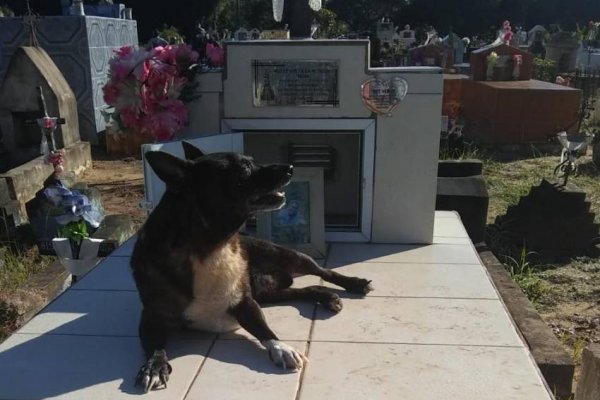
{"x":145,"y":88}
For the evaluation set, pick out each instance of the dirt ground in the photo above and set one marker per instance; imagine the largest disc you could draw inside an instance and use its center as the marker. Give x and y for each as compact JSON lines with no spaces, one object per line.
{"x":121,"y":183}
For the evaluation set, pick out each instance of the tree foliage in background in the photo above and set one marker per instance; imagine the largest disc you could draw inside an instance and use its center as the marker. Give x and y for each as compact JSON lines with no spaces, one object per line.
{"x":329,"y":25}
{"x":171,"y":34}
{"x":465,"y":17}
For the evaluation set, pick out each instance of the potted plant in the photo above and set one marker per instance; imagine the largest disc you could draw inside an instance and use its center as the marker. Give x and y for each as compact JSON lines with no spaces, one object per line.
{"x":146,"y":94}
{"x":75,"y":218}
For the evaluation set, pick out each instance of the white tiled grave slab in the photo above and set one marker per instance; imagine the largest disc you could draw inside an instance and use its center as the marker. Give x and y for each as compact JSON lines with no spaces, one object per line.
{"x":113,"y":273}
{"x":433,"y":329}
{"x":422,"y":280}
{"x":395,"y":253}
{"x":89,"y":312}
{"x":242,"y":370}
{"x":126,"y":248}
{"x":89,"y":367}
{"x":449,"y":227}
{"x":418,"y":320}
{"x":364,"y":371}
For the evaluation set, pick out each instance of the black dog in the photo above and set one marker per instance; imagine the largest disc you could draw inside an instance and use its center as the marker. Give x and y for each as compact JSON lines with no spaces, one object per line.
{"x":192,"y":268}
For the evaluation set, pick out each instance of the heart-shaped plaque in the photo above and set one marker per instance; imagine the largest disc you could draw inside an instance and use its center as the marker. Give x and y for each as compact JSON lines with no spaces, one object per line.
{"x":383,"y":95}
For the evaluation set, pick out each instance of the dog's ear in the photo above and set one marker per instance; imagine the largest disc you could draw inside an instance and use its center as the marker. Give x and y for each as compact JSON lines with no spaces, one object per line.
{"x":191,"y":152}
{"x":170,"y":169}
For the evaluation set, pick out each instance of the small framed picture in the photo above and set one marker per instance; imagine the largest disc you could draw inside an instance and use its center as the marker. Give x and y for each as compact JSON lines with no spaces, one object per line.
{"x":300,"y":224}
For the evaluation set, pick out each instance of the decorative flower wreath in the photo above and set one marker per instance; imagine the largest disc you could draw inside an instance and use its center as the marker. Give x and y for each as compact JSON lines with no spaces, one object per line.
{"x":146,"y":89}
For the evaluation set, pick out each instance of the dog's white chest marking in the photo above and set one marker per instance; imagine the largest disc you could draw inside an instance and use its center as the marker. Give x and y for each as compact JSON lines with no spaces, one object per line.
{"x":218,"y":284}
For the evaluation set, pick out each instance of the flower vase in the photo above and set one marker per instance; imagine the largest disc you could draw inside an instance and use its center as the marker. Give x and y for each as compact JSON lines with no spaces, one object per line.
{"x":489,"y":75}
{"x":77,"y":260}
{"x":516,"y":72}
{"x":126,"y":144}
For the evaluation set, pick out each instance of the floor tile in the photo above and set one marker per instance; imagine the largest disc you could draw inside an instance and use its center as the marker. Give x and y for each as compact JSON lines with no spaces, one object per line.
{"x":450,"y":240}
{"x":418,"y":320}
{"x":113,"y":273}
{"x":89,"y":312}
{"x":241,"y":369}
{"x":126,"y":248}
{"x":89,"y":368}
{"x":387,"y":371}
{"x":446,"y":214}
{"x":449,"y":227}
{"x":419,"y":254}
{"x":289,"y":321}
{"x":423,"y":280}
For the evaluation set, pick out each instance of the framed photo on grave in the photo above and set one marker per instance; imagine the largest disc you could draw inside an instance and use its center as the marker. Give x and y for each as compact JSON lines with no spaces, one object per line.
{"x":300,"y":224}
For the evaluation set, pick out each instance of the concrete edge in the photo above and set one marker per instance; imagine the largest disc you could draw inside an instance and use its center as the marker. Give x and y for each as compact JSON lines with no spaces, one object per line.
{"x":555,"y":364}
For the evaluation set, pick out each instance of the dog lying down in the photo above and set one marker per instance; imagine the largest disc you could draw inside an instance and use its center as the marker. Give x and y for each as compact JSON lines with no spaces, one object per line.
{"x":193,"y":270}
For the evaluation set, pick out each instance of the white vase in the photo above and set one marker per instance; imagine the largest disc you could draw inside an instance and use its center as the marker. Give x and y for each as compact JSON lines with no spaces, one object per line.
{"x":88,"y":255}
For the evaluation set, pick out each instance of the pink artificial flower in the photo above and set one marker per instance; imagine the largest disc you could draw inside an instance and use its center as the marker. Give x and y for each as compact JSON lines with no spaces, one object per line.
{"x":49,"y":123}
{"x":215,"y":54}
{"x":169,"y":119}
{"x":111,"y":93}
{"x":130,"y":118}
{"x":508,"y":37}
{"x":518,"y":59}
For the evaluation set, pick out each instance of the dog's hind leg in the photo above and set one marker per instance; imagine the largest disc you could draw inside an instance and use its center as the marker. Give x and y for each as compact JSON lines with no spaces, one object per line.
{"x":251,"y":318}
{"x":156,"y":370}
{"x":304,"y":264}
{"x":325,"y":296}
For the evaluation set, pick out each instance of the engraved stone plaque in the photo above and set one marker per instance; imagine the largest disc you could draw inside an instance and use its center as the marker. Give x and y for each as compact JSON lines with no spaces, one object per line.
{"x":295,"y":83}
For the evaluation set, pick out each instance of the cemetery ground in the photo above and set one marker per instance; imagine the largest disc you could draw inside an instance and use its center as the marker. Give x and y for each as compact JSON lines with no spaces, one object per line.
{"x":565,"y":292}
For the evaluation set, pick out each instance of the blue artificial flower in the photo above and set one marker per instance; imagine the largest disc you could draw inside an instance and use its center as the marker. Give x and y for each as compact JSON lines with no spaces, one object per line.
{"x":75,"y":205}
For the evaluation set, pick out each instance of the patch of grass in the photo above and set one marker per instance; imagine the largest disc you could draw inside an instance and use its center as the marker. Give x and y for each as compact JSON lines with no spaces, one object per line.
{"x":578,"y":347}
{"x":522,"y":272}
{"x":16,"y":267}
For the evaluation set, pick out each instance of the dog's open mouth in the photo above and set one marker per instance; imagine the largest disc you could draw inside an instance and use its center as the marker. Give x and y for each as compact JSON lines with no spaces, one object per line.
{"x":270,"y":201}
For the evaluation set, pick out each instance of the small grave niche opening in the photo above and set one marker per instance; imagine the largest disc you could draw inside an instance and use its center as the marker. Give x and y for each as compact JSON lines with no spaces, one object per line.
{"x":340,"y":156}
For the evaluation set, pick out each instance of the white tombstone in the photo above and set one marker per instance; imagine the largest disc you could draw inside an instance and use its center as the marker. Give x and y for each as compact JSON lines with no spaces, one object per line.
{"x":407,"y":36}
{"x":254,"y":34}
{"x":385,"y":31}
{"x":455,"y":42}
{"x":241,"y":34}
{"x":536,"y":34}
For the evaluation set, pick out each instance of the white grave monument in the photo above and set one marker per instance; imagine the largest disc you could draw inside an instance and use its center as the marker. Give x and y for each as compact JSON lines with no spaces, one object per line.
{"x":407,"y":36}
{"x":385,"y":31}
{"x":377,"y":130}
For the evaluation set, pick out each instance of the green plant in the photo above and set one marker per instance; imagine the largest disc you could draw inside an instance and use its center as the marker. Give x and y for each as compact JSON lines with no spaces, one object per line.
{"x":578,"y":347}
{"x":9,"y":319}
{"x":521,"y":270}
{"x":171,"y":35}
{"x":7,"y":12}
{"x":75,"y":231}
{"x":544,"y":70}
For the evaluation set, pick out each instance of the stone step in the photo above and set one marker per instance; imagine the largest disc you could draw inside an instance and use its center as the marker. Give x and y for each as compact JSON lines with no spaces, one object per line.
{"x":11,"y":216}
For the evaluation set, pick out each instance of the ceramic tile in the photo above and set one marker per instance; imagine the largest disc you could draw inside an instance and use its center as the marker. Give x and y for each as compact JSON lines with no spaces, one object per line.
{"x":449,"y":227}
{"x":451,"y":240}
{"x":126,"y":248}
{"x":113,"y":273}
{"x":418,"y":320}
{"x":446,"y":214}
{"x":89,"y":312}
{"x":392,"y":371}
{"x":89,"y":368}
{"x":423,"y":280}
{"x":241,"y":369}
{"x":419,"y":254}
{"x":289,"y":320}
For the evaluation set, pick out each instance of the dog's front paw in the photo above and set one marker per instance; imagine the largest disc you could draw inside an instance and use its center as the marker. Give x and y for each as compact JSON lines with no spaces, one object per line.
{"x":155,"y":372}
{"x":285,"y":356}
{"x":360,"y":286}
{"x":333,"y":302}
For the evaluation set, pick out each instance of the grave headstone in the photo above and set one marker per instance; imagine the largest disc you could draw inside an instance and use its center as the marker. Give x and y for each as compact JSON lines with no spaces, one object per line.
{"x":241,"y":34}
{"x":385,"y":31}
{"x":562,"y":49}
{"x":456,"y":44}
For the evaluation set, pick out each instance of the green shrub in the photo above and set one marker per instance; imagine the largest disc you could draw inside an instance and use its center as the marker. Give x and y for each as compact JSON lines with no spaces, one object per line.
{"x":544,"y":70}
